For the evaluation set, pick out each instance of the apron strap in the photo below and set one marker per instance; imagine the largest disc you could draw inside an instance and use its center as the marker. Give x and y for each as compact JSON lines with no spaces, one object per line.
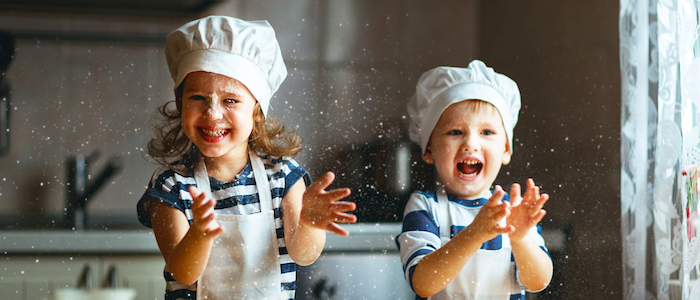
{"x":201,"y":177}
{"x":443,"y":214}
{"x":261,"y":181}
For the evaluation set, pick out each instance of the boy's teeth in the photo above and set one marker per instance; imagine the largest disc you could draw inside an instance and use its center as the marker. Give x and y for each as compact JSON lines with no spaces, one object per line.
{"x":468,"y":168}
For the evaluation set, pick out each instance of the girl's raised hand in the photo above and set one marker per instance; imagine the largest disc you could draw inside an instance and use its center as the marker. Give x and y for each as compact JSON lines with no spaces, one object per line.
{"x":487,"y":223}
{"x":321,"y":209}
{"x":526,"y":211}
{"x":203,"y":216}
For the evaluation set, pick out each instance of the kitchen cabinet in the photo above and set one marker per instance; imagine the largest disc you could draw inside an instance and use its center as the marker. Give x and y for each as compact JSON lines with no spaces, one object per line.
{"x":35,"y":264}
{"x":37,"y":277}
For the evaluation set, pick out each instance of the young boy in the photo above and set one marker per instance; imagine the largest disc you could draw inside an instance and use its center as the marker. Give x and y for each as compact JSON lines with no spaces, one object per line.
{"x":462,"y":241}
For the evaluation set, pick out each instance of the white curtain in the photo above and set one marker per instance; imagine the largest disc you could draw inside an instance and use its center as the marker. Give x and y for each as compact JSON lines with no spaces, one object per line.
{"x":660,"y":74}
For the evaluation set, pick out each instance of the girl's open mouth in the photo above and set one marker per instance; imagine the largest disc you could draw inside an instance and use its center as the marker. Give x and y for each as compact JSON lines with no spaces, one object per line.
{"x":213,"y":135}
{"x":469,"y":168}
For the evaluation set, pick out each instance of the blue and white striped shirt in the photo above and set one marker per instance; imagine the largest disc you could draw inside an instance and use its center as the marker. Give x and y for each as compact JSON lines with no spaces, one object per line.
{"x":420,"y":235}
{"x":239,"y":197}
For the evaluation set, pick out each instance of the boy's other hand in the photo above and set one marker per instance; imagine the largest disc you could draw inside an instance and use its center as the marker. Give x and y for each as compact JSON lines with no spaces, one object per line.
{"x":487,"y":223}
{"x":321,"y":209}
{"x":203,"y":216}
{"x":526,"y":211}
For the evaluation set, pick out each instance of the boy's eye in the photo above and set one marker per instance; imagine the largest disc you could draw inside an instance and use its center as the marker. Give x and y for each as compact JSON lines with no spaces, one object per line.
{"x":231,"y":100}
{"x":196,"y":97}
{"x":454,"y":132}
{"x":487,"y":132}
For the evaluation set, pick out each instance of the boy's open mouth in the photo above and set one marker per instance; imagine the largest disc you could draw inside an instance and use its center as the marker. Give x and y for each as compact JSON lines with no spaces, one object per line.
{"x":469,"y":168}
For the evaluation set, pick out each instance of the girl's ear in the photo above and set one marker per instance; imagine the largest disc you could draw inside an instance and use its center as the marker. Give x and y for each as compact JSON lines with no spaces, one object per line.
{"x":178,"y":96}
{"x":428,"y":156}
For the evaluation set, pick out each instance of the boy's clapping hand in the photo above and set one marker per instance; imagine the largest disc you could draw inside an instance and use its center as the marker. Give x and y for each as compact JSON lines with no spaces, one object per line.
{"x":488,"y":222}
{"x":525,"y":211}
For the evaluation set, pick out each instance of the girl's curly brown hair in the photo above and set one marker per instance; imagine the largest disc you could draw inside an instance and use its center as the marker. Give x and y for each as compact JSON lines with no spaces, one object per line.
{"x":170,"y":147}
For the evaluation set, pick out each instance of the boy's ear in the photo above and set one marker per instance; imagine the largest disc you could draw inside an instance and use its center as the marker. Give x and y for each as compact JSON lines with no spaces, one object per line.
{"x":428,"y":156}
{"x":506,"y":155}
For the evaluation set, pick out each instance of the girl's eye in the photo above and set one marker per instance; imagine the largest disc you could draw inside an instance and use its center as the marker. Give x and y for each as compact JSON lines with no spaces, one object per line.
{"x":231,"y":100}
{"x":196,"y":97}
{"x":487,"y":132}
{"x":454,"y":132}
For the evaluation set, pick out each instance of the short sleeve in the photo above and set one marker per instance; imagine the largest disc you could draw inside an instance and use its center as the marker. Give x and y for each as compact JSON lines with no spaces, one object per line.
{"x":168,"y":187}
{"x":288,"y":169}
{"x":420,"y":235}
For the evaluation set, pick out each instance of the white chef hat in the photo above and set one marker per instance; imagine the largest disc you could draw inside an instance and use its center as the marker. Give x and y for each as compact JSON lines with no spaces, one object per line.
{"x":243,"y":50}
{"x":442,"y":86}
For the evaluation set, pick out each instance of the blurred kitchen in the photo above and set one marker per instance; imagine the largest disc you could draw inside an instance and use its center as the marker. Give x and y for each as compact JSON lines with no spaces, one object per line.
{"x":87,"y":77}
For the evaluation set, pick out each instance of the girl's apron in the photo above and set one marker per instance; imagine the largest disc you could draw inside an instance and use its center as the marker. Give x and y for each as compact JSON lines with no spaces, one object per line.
{"x":487,"y":275}
{"x":244,"y":260}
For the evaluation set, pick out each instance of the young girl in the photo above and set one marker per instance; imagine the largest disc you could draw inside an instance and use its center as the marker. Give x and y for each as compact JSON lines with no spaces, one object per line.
{"x":228,"y":209}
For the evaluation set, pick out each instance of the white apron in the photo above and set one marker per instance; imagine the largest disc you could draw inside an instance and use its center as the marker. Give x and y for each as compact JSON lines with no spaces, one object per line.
{"x":488,"y":275}
{"x":244,"y":260}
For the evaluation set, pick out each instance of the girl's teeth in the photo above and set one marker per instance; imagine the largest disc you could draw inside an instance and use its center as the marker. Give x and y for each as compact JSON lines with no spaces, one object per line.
{"x":213,"y":133}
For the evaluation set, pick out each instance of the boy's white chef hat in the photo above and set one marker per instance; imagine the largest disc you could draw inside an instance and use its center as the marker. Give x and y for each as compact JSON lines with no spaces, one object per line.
{"x":442,"y":86}
{"x":243,"y":50}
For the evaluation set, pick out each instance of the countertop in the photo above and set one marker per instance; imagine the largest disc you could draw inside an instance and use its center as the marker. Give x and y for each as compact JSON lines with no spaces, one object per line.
{"x":363,"y":237}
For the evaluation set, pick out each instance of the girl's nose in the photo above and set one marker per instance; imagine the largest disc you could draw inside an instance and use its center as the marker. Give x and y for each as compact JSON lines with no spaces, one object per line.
{"x":213,"y":111}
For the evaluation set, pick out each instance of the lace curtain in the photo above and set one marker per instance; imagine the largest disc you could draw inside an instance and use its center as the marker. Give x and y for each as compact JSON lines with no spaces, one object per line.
{"x":660,"y":151}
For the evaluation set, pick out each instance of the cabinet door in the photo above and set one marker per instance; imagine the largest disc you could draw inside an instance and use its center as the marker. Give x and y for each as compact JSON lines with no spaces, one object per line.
{"x":37,"y":277}
{"x":353,"y":276}
{"x":144,"y":273}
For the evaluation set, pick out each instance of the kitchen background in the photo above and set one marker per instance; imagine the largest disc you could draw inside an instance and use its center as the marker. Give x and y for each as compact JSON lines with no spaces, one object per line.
{"x":87,"y":78}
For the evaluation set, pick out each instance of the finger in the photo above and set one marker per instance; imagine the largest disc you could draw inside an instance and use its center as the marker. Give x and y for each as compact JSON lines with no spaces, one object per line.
{"x":503,"y":229}
{"x":335,"y":228}
{"x":208,"y":217}
{"x":532,"y":193}
{"x":509,"y":229}
{"x":323,"y":182}
{"x":203,"y":204}
{"x":496,"y":197}
{"x":344,"y":206}
{"x":530,"y":183}
{"x":540,"y":202}
{"x":336,"y":194}
{"x":199,"y":198}
{"x":195,"y":193}
{"x":538,"y":216}
{"x":204,"y":214}
{"x":515,"y":197}
{"x":531,"y":186}
{"x":499,"y":211}
{"x":345,"y":218}
{"x":215,"y":232}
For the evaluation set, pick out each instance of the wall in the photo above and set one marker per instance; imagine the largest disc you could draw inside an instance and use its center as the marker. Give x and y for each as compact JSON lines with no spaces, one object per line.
{"x":87,"y":81}
{"x":353,"y":65}
{"x":564,"y":56}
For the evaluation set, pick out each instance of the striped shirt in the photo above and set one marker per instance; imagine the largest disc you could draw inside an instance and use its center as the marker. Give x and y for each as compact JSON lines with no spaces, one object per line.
{"x":420,"y":235}
{"x":239,"y":197}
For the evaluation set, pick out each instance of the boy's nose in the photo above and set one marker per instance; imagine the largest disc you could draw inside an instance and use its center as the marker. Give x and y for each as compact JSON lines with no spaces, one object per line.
{"x":471,"y":144}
